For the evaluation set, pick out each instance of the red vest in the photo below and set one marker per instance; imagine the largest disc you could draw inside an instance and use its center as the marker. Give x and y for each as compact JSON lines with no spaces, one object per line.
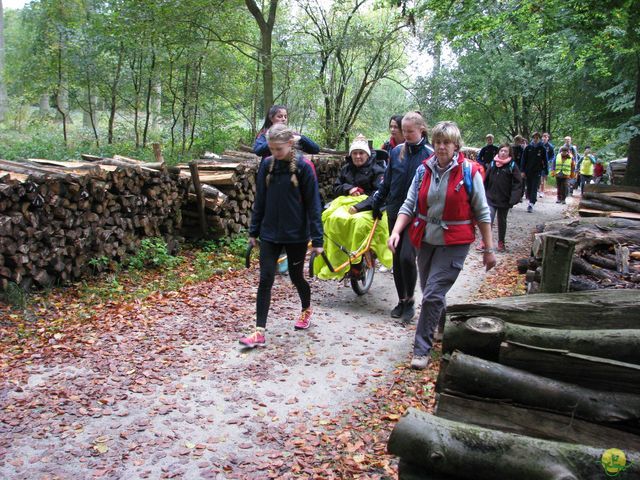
{"x":457,"y":217}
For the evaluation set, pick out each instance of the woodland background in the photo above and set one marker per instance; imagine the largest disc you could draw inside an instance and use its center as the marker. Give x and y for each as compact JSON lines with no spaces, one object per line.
{"x":112,"y":76}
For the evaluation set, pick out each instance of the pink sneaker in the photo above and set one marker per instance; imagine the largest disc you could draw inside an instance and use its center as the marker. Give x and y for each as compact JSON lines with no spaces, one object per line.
{"x":305,"y":320}
{"x":256,"y":339}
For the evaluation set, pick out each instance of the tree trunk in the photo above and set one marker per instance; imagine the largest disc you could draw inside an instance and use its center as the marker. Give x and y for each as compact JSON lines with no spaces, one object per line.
{"x":475,"y":377}
{"x":588,"y":371}
{"x":157,"y":104}
{"x":632,"y":174}
{"x":453,"y":448}
{"x":3,"y":85}
{"x":266,"y":60}
{"x":585,"y":310}
{"x":147,"y":102}
{"x":500,"y":415}
{"x":114,"y":94}
{"x":44,"y":107}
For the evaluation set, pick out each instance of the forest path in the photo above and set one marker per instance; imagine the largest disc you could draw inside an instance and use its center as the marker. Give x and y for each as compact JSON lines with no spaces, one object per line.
{"x":161,"y":389}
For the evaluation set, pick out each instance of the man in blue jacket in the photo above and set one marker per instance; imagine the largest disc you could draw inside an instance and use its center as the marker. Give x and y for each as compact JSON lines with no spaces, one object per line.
{"x":534,"y":162}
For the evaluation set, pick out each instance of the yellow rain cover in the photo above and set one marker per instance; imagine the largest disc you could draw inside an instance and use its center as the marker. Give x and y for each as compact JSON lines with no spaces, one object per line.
{"x":351,"y":232}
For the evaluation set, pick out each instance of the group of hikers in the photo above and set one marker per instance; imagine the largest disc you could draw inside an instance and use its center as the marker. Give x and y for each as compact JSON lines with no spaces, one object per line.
{"x":428,"y":198}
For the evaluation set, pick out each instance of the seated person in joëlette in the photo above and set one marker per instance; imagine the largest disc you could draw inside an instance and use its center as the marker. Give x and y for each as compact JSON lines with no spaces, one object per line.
{"x":343,"y":223}
{"x":362,"y":174}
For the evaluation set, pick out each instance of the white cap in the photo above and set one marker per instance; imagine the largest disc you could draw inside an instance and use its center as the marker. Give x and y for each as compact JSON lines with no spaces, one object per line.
{"x":360,"y":143}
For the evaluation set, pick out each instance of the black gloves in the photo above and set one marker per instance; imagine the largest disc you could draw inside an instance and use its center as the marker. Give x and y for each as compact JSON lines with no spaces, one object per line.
{"x":376,"y":213}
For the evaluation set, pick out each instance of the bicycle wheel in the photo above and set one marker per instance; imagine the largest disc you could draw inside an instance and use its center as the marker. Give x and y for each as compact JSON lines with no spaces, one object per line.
{"x":362,"y":283}
{"x":312,"y":257}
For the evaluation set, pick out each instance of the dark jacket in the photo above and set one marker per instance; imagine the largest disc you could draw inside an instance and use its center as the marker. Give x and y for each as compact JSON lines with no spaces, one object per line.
{"x":399,"y":175}
{"x":503,"y":185}
{"x":486,"y":154}
{"x":367,"y":177}
{"x":261,"y":147}
{"x":534,"y":159}
{"x":516,"y":154}
{"x":282,"y":212}
{"x":389,"y":145}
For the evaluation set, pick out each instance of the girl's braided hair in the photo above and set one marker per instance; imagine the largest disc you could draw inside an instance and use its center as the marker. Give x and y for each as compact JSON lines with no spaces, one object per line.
{"x":280,"y":133}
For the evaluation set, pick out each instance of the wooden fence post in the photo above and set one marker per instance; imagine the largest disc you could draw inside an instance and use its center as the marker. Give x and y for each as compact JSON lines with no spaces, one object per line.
{"x":195,"y":178}
{"x":556,"y":264}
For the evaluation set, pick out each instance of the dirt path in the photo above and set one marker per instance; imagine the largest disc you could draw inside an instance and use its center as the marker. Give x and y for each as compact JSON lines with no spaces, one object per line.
{"x":160,"y":389}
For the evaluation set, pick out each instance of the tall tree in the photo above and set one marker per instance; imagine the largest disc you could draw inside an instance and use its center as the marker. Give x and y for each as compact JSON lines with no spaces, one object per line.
{"x":265,"y":51}
{"x":3,"y":85}
{"x":357,"y":48}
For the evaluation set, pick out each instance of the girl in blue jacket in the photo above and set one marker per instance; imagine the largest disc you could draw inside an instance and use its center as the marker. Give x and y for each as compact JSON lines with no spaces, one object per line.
{"x":286,"y":213}
{"x":279,"y":114}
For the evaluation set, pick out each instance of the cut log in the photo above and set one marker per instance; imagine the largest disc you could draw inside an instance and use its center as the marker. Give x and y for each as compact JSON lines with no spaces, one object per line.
{"x":614,"y":201}
{"x":598,"y":205}
{"x":452,"y":448}
{"x":474,"y":377}
{"x":581,"y":267}
{"x":195,"y":178}
{"x":576,"y":310}
{"x":600,"y":261}
{"x":595,"y":372}
{"x":626,"y":191}
{"x":622,"y":259}
{"x":478,"y":336}
{"x":500,"y":415}
{"x":621,"y":345}
{"x":556,"y":264}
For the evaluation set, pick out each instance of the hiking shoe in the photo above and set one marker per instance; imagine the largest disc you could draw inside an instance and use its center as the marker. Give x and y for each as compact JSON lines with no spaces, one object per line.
{"x":256,"y":339}
{"x":305,"y":320}
{"x":501,"y":247}
{"x":408,"y":312}
{"x":420,"y":362}
{"x":558,"y":201}
{"x":530,"y":209}
{"x":396,"y":312}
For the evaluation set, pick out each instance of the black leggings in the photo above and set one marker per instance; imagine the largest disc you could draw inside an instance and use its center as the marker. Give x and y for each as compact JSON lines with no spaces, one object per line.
{"x":269,"y":253}
{"x":405,"y":272}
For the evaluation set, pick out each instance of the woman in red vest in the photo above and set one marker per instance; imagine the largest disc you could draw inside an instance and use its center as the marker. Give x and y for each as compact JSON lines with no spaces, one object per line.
{"x":444,"y":203}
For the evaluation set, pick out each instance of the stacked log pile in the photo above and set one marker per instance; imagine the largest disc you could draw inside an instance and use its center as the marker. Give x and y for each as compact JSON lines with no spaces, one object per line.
{"x":233,"y":177}
{"x":57,"y":216}
{"x":533,"y":388}
{"x":606,"y":253}
{"x":610,"y":201}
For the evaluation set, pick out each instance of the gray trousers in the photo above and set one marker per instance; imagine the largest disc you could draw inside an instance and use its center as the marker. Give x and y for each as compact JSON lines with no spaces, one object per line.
{"x":439,"y":267}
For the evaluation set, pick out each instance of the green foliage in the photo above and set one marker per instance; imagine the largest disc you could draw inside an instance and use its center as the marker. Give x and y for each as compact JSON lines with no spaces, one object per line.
{"x":234,"y":245}
{"x":99,"y":263}
{"x":153,"y":253}
{"x":14,"y":295}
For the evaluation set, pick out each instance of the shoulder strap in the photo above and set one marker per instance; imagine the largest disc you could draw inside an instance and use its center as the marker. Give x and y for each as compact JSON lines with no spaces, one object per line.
{"x":467,"y":176}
